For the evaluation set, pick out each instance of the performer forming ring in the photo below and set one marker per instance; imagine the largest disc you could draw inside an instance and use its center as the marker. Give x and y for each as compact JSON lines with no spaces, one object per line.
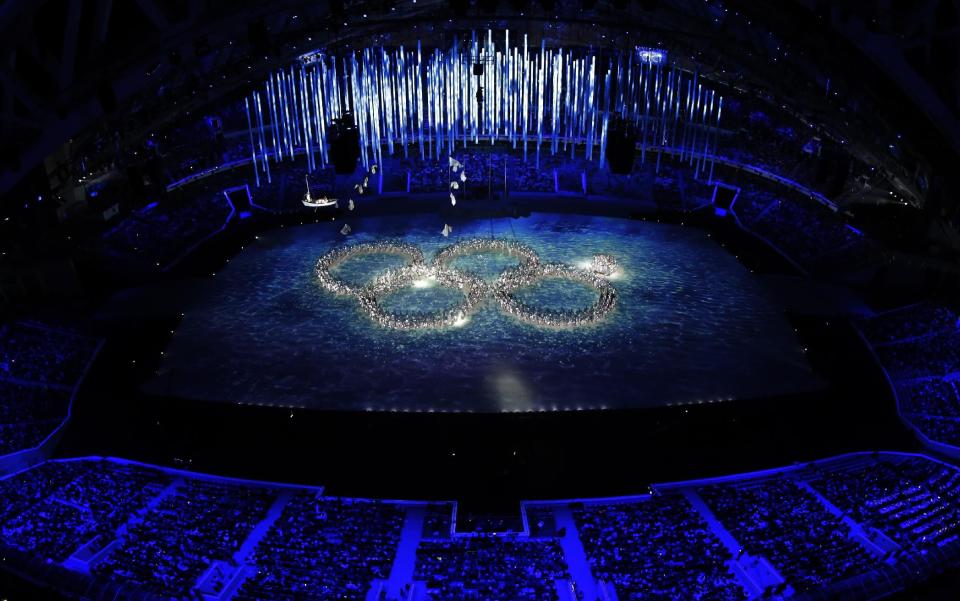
{"x":338,"y":255}
{"x":514,"y":279}
{"x":475,"y":290}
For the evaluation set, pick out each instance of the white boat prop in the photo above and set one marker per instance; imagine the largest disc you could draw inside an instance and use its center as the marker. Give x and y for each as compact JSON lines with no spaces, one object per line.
{"x":321,"y":201}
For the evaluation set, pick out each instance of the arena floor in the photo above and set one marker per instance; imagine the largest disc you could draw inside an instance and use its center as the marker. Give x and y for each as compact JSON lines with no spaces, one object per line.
{"x":691,"y":325}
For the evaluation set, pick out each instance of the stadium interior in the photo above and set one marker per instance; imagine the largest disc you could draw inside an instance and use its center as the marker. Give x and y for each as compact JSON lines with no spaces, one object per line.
{"x":479,"y":300}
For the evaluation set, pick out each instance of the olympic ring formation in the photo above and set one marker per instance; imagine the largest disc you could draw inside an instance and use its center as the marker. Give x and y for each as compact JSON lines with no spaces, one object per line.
{"x":474,"y":289}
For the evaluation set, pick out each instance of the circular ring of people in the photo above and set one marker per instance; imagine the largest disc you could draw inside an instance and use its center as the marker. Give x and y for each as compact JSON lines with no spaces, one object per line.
{"x":474,"y":289}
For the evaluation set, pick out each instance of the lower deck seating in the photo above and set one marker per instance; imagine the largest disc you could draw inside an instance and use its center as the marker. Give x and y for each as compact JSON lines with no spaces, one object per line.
{"x":323,"y":548}
{"x":487,"y":567}
{"x":912,"y":502}
{"x":865,"y":518}
{"x":659,"y":548}
{"x":788,"y":525}
{"x":201,"y":522}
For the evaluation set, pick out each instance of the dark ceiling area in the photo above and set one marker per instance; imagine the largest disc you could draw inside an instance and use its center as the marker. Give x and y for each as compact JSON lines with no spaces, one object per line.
{"x":71,"y":67}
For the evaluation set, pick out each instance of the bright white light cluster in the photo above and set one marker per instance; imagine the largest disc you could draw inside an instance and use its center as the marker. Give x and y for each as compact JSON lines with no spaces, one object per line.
{"x":604,"y":265}
{"x":475,"y":291}
{"x":652,"y":56}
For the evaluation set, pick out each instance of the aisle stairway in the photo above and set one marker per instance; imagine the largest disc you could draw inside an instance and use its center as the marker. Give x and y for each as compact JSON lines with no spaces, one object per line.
{"x":576,"y":556}
{"x":406,"y":558}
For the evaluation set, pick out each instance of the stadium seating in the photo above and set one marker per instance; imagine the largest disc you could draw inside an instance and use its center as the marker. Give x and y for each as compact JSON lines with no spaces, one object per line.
{"x":40,"y":370}
{"x":810,"y":234}
{"x":491,"y":568}
{"x":781,"y":521}
{"x":868,"y":518}
{"x":179,"y":538}
{"x":80,"y":503}
{"x":658,"y":548}
{"x":913,"y":502}
{"x":323,"y":548}
{"x":919,"y":347}
{"x":156,"y":235}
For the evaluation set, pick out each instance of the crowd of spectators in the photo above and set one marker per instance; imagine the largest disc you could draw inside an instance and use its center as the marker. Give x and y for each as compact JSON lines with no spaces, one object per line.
{"x":21,"y":491}
{"x":179,"y":538}
{"x":42,"y":355}
{"x":26,"y":403}
{"x":156,"y":235}
{"x":483,"y":169}
{"x":773,"y":132}
{"x":940,"y":429}
{"x":913,"y":502}
{"x":757,"y":132}
{"x":667,"y":181}
{"x":438,"y":520}
{"x":919,"y":347}
{"x":182,"y":165}
{"x":785,"y":523}
{"x":671,"y":183}
{"x":25,"y":435}
{"x":809,"y":233}
{"x":40,"y":369}
{"x":656,"y":548}
{"x":915,"y":321}
{"x":542,"y":521}
{"x":491,"y":567}
{"x":84,"y":503}
{"x":928,"y":397}
{"x":935,"y":355}
{"x":324,"y":548}
{"x":161,"y":532}
{"x":208,"y":141}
